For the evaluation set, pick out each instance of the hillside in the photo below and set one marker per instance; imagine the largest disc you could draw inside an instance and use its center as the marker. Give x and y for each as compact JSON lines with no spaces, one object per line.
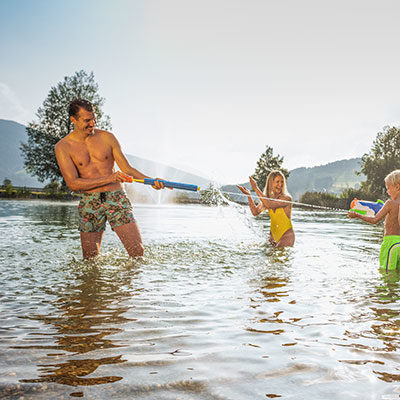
{"x":332,"y":178}
{"x":11,"y":161}
{"x":12,"y":165}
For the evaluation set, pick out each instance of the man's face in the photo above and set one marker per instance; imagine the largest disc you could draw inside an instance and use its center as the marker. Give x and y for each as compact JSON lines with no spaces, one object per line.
{"x":85,"y":121}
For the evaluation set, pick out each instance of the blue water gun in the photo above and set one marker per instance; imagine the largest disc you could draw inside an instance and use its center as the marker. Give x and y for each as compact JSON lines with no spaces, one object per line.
{"x":368,"y":208}
{"x":168,"y":184}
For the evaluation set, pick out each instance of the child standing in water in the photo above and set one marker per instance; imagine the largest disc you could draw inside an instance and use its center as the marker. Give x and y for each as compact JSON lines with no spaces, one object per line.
{"x":277,"y":201}
{"x":389,"y":257}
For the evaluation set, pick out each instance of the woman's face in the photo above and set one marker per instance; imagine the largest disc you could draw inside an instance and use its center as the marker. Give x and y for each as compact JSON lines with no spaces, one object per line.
{"x":277,"y":185}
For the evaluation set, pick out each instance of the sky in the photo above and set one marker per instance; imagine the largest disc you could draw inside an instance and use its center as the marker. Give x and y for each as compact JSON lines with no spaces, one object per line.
{"x":206,"y":85}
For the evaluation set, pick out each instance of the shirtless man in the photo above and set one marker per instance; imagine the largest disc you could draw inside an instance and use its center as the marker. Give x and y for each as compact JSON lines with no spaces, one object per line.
{"x":86,"y":159}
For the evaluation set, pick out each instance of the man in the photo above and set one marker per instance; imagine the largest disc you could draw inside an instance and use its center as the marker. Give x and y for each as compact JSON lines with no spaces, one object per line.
{"x":86,"y":159}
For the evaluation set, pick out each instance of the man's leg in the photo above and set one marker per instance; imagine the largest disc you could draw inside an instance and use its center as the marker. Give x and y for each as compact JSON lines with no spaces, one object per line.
{"x":91,"y":242}
{"x":131,"y":238}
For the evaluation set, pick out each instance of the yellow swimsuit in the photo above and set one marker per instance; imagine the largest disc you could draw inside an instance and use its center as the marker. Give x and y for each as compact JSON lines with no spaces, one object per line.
{"x":280,"y":223}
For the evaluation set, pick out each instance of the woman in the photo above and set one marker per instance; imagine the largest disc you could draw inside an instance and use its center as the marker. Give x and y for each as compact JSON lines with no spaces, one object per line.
{"x":277,"y":201}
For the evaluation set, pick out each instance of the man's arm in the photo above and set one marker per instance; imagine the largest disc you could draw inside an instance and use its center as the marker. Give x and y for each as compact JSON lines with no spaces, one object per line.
{"x":122,"y":161}
{"x":71,"y":176}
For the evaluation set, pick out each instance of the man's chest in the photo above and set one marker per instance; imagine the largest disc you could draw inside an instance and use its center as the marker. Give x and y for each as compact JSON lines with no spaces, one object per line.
{"x":93,"y":152}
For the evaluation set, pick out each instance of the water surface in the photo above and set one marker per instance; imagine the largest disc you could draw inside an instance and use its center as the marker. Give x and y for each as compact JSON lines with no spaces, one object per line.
{"x":210,"y":312}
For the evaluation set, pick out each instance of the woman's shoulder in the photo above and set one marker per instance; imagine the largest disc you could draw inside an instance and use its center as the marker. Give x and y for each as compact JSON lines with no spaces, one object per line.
{"x":285,"y":197}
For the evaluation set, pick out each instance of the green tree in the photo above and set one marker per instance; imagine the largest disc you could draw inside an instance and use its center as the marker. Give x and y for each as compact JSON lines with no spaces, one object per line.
{"x":383,"y":158}
{"x":323,"y":199}
{"x":54,"y":123}
{"x":266,"y":164}
{"x":6,"y":182}
{"x":52,"y":188}
{"x":212,"y":196}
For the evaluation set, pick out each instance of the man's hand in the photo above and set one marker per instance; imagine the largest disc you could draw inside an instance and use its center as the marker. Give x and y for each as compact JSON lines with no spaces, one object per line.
{"x":158,"y":184}
{"x":121,"y":177}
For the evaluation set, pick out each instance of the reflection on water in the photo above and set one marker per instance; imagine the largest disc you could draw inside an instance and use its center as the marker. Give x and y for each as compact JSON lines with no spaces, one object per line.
{"x":210,"y":312}
{"x":88,"y":310}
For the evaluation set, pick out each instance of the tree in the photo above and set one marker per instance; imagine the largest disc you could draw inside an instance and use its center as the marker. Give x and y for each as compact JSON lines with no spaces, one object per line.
{"x":266,"y":164}
{"x":6,"y":182}
{"x":213,"y":196}
{"x":52,"y":188}
{"x":383,"y":158}
{"x":54,"y":123}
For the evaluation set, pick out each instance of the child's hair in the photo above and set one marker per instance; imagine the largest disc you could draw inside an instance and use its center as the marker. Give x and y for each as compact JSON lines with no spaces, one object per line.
{"x":268,"y":184}
{"x":393,"y":178}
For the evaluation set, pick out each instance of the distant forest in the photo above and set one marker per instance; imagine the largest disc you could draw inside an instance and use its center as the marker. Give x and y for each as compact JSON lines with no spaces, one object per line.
{"x":331,"y":178}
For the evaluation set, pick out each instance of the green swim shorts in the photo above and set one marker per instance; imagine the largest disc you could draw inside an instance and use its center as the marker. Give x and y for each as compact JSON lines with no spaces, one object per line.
{"x":98,"y":207}
{"x":389,"y":257}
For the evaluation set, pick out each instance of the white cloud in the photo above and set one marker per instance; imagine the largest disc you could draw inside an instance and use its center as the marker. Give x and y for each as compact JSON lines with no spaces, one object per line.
{"x":10,"y":106}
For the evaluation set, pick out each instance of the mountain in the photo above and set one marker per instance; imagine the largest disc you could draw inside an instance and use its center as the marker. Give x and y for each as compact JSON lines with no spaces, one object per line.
{"x":11,"y":161}
{"x":332,"y":178}
{"x":12,"y":164}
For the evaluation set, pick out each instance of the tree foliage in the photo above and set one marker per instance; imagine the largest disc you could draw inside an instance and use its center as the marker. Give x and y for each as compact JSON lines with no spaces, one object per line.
{"x":6,"y":182}
{"x":54,"y":123}
{"x":383,"y":158}
{"x":212,"y":196}
{"x":266,"y":163}
{"x":323,"y":199}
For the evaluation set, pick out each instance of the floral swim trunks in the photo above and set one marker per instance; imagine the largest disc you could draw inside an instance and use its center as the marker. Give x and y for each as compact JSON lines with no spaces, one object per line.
{"x":98,"y":207}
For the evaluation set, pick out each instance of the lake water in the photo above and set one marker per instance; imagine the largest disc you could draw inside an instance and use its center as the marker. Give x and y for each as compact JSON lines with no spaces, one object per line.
{"x":210,"y":312}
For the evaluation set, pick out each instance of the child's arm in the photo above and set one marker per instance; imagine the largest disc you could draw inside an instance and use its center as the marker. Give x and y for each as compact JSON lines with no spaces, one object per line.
{"x":372,"y":220}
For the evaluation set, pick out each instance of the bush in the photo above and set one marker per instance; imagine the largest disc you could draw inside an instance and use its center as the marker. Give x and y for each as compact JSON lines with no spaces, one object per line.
{"x":23,"y":192}
{"x":323,"y":199}
{"x":348,"y":195}
{"x":52,"y":188}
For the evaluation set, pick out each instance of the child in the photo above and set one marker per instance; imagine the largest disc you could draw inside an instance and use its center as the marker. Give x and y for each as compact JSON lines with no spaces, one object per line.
{"x":389,"y":257}
{"x":280,"y":210}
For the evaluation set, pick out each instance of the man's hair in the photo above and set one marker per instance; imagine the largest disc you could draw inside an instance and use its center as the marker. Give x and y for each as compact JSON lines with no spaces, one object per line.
{"x":393,"y":178}
{"x":76,"y":104}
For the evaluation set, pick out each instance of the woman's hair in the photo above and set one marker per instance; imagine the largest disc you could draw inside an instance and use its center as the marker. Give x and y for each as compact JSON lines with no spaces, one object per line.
{"x":268,"y":184}
{"x":393,"y":178}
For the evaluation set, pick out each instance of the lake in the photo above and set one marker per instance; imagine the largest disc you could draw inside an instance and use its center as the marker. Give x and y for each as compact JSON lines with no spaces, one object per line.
{"x":210,"y":312}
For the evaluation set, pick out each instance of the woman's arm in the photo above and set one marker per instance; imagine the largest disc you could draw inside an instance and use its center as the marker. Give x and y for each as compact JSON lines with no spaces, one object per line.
{"x":282,"y":202}
{"x":255,"y":209}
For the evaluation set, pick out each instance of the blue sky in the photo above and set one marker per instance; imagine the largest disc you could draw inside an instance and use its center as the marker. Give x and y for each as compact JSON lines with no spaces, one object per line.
{"x":206,"y":85}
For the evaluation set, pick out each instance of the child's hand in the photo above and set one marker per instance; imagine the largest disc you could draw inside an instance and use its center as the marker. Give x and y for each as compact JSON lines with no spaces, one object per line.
{"x":352,"y":214}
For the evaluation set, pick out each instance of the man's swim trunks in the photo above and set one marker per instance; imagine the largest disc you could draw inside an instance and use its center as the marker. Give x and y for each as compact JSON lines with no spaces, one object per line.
{"x":280,"y":223}
{"x":389,"y":257}
{"x":98,"y":207}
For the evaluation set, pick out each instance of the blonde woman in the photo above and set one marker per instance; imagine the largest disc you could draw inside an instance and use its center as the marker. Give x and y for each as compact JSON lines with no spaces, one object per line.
{"x":277,"y":201}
